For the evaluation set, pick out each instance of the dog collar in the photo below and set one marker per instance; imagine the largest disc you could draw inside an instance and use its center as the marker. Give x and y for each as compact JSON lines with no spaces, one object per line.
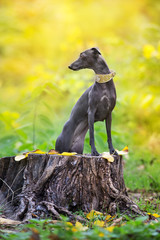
{"x":103,"y":78}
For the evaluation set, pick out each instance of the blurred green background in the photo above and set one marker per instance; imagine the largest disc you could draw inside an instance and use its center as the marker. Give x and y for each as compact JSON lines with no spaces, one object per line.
{"x":39,"y":39}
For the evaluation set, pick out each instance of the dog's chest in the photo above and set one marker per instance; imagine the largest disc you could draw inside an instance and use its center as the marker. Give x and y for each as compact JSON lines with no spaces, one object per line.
{"x":105,"y":105}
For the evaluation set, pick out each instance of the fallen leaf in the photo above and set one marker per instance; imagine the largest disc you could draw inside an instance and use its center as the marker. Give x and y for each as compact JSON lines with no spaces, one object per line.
{"x":20,"y":157}
{"x":7,"y":231}
{"x":117,"y":221}
{"x":69,"y":224}
{"x":107,"y":156}
{"x":35,"y":234}
{"x":124,"y":151}
{"x":93,"y":214}
{"x":110,"y":229}
{"x":68,"y":153}
{"x":108,"y":217}
{"x":6,"y":221}
{"x":53,"y":237}
{"x":52,"y":151}
{"x":37,"y":151}
{"x":156,"y":215}
{"x":99,"y":223}
{"x":25,"y":155}
{"x":101,"y":234}
{"x":80,"y":227}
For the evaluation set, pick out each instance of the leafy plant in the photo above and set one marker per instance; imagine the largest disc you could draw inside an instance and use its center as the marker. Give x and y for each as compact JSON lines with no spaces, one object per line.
{"x":51,"y":229}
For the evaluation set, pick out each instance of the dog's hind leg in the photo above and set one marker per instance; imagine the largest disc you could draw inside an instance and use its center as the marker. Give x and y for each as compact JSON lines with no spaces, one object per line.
{"x":64,"y":141}
{"x":78,"y":142}
{"x":78,"y":138}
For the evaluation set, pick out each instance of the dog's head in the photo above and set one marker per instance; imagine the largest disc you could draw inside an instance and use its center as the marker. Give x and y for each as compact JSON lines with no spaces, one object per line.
{"x":87,"y":59}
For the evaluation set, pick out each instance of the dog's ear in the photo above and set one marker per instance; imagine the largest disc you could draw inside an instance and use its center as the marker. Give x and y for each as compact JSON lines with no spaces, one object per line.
{"x":96,"y":51}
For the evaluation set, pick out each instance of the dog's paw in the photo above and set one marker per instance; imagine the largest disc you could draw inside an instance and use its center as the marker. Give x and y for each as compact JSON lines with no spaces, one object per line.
{"x":113,"y":152}
{"x":95,"y":153}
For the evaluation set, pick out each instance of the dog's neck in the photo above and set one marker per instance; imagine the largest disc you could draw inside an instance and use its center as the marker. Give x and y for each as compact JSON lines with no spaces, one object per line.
{"x":100,"y":66}
{"x":103,"y":74}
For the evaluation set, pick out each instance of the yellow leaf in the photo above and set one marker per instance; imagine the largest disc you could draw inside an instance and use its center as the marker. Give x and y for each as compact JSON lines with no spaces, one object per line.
{"x":125,"y":149}
{"x":80,"y":227}
{"x":69,"y":224}
{"x":101,"y":234}
{"x":107,"y":156}
{"x":68,"y":153}
{"x":93,"y":214}
{"x":26,"y":154}
{"x":156,"y":215}
{"x":74,"y":229}
{"x":110,"y":229}
{"x":123,"y":152}
{"x":108,"y":217}
{"x":37,"y":151}
{"x":19,"y":157}
{"x":52,"y":151}
{"x":99,"y":223}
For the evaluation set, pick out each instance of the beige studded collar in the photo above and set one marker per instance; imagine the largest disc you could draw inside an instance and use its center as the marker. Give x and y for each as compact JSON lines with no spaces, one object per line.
{"x":103,"y":78}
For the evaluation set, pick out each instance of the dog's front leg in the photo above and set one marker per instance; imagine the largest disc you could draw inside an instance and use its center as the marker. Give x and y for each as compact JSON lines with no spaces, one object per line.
{"x":91,"y":114}
{"x":108,"y":129}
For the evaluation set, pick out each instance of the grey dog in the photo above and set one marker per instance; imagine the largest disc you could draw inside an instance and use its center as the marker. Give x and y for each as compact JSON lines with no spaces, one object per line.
{"x":95,"y":104}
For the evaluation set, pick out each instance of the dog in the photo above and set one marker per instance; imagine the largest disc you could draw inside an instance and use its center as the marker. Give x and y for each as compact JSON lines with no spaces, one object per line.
{"x":95,"y":104}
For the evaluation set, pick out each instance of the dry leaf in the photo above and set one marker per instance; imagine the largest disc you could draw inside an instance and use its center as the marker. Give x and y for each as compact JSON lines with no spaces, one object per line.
{"x":19,"y":157}
{"x":6,"y":221}
{"x":25,"y":155}
{"x":35,"y":234}
{"x":124,"y":151}
{"x":107,"y":156}
{"x":52,"y":151}
{"x":117,"y":221}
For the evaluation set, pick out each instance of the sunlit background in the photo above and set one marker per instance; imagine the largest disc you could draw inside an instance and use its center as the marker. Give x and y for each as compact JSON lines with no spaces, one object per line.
{"x":39,"y":39}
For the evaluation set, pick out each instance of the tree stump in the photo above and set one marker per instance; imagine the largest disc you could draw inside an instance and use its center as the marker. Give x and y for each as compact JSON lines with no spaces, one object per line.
{"x":44,"y":185}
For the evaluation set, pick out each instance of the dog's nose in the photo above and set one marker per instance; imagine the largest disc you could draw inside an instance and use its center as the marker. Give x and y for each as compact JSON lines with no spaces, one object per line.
{"x":69,"y":67}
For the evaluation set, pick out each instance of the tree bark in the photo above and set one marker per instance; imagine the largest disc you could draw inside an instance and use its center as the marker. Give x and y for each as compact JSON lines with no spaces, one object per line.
{"x":44,"y":185}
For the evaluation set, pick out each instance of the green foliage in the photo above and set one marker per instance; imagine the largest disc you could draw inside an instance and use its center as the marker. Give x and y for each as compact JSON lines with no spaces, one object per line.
{"x":137,"y":229}
{"x":46,"y":229}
